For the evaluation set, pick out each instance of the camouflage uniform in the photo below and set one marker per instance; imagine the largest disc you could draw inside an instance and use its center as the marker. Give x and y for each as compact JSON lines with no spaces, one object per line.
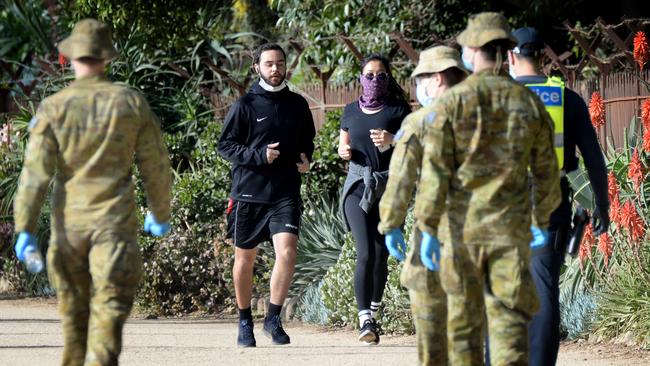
{"x":484,"y":135}
{"x":88,"y":134}
{"x":428,"y":301}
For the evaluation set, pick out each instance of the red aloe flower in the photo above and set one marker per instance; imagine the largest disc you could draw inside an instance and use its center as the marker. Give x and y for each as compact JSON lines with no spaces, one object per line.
{"x":645,"y":114}
{"x":641,"y":49}
{"x":586,"y":244}
{"x":612,"y":187}
{"x":615,"y":212}
{"x":597,"y":110}
{"x":645,"y":118}
{"x":605,"y":245}
{"x":635,"y":170}
{"x":62,"y":60}
{"x":632,"y":222}
{"x":614,"y":197}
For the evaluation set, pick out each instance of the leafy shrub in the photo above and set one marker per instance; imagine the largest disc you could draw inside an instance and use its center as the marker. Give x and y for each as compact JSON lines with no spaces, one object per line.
{"x":339,"y":300}
{"x":327,"y":172}
{"x":322,"y":233}
{"x":576,"y":314}
{"x":615,"y":268}
{"x":12,"y":155}
{"x":311,"y":308}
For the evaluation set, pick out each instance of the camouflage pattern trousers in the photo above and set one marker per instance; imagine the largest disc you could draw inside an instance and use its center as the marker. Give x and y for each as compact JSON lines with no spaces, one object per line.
{"x":428,"y":306}
{"x":493,"y":282}
{"x":96,"y":275}
{"x":429,"y":316}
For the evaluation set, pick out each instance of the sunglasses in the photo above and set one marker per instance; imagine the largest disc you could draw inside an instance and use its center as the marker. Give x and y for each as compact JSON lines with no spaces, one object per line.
{"x":380,"y":76}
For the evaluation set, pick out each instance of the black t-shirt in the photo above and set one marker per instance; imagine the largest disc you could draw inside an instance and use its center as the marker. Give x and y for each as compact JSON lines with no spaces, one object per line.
{"x":359,"y":124}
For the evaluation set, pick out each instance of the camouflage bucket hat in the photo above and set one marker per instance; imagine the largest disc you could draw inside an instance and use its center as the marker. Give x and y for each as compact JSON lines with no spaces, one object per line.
{"x":89,"y":38}
{"x":483,"y":28}
{"x":437,"y":59}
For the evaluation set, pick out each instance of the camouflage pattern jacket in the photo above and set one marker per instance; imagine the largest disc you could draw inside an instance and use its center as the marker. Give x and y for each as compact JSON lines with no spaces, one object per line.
{"x":88,"y":134}
{"x":486,"y":135}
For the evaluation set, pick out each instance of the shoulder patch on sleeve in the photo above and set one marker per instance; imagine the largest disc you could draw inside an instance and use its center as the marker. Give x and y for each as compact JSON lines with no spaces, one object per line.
{"x":33,"y":122}
{"x":398,"y":135}
{"x":430,"y":117}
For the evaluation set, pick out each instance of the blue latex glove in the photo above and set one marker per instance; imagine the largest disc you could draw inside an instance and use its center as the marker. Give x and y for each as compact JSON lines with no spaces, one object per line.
{"x":540,"y":237}
{"x":395,"y":243}
{"x":429,"y":247}
{"x":25,"y":239}
{"x":151,"y":226}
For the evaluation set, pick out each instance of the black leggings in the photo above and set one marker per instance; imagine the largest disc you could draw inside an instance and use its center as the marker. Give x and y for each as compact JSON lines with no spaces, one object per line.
{"x":371,"y":271}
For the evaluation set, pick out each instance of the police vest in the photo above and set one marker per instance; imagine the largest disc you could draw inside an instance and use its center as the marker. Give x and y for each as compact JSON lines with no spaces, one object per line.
{"x":552,"y":95}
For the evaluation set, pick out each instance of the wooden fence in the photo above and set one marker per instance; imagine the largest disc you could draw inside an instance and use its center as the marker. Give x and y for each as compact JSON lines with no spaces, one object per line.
{"x":622,"y":94}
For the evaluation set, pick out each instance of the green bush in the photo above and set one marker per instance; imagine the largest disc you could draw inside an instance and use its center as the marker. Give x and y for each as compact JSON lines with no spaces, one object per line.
{"x":339,"y":300}
{"x":322,"y":233}
{"x":190,"y":270}
{"x":615,"y":269}
{"x":12,"y":154}
{"x":576,"y":314}
{"x":311,"y":308}
{"x":327,"y":172}
{"x":186,"y":271}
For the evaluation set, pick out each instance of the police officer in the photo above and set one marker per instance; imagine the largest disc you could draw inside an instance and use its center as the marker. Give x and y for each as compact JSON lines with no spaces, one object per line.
{"x":484,"y":135}
{"x":87,"y":136}
{"x":572,"y":129}
{"x":439,"y":69}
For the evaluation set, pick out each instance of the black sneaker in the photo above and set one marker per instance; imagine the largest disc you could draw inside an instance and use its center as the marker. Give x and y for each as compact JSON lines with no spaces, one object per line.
{"x":273,"y":329}
{"x":368,"y":333}
{"x":246,"y":338}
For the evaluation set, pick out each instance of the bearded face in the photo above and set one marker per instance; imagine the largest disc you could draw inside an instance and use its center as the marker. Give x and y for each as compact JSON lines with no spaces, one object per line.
{"x":272,"y":67}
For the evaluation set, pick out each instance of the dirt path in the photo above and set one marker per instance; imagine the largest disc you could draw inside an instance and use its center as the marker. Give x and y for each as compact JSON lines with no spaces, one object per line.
{"x":30,"y":335}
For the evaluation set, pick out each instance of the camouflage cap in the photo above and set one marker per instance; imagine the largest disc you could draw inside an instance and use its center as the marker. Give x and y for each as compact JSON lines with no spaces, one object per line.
{"x":483,"y":28}
{"x":437,"y":59}
{"x":89,"y":38}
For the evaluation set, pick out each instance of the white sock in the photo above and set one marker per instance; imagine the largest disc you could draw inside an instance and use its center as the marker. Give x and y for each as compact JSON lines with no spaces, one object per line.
{"x":374,"y":308}
{"x":363,"y":316}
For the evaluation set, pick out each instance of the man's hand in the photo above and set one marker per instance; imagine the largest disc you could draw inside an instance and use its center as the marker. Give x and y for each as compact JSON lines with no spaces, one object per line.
{"x":271,"y":152}
{"x":395,"y":243}
{"x":381,"y":137}
{"x":600,"y":220}
{"x":304,"y":166}
{"x":345,"y":152}
{"x":429,"y":247}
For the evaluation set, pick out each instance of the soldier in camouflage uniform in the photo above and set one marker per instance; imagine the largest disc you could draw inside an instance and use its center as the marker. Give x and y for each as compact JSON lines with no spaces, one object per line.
{"x":439,"y":69}
{"x":86,"y":136}
{"x":484,"y":136}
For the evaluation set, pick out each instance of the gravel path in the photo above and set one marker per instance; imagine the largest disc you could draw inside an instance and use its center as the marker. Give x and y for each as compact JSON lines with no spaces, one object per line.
{"x":30,"y":335}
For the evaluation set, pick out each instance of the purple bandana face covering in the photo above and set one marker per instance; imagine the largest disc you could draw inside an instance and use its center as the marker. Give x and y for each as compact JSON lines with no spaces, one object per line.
{"x":374,"y":93}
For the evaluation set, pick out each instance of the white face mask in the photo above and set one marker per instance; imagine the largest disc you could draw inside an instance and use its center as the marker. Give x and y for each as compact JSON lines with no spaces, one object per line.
{"x":468,"y":58}
{"x":511,"y":70}
{"x":266,"y":86}
{"x":421,"y":93}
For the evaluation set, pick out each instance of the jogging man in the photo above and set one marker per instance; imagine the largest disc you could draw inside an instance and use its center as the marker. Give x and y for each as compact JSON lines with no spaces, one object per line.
{"x":268,"y":137}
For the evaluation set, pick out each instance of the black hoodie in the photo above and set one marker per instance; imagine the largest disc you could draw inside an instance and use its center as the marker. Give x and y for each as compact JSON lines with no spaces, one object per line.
{"x":256,"y":120}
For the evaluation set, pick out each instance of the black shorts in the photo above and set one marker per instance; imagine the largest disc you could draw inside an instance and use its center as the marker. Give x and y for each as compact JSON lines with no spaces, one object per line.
{"x":252,"y":223}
